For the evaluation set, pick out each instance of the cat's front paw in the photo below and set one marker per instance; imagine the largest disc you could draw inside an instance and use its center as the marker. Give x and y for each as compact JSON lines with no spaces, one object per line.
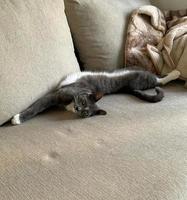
{"x":16,"y":120}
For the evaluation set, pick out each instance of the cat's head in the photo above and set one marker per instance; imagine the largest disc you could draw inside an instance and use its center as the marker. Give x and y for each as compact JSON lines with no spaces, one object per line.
{"x":85,"y":104}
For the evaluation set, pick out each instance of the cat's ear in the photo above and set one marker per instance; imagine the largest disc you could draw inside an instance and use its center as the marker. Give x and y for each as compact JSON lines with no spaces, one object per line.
{"x":97,"y":96}
{"x":100,"y":112}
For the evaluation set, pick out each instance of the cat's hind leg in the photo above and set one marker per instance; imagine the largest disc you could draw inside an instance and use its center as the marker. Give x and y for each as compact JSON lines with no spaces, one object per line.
{"x":175,"y":74}
{"x":37,"y":107}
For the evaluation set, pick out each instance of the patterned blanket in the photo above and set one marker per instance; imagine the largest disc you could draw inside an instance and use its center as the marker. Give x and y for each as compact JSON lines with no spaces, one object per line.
{"x":157,"y":40}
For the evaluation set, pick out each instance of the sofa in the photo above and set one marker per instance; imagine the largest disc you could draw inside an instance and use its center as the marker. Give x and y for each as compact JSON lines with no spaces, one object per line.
{"x":138,"y":151}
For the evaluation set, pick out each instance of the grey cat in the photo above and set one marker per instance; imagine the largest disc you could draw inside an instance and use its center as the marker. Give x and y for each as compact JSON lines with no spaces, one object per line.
{"x":79,"y":92}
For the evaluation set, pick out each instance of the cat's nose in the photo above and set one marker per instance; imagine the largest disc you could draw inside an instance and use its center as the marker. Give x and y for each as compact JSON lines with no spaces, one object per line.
{"x":85,"y":113}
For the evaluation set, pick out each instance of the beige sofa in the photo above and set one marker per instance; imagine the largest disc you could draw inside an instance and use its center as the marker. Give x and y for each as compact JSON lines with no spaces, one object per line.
{"x":138,"y":151}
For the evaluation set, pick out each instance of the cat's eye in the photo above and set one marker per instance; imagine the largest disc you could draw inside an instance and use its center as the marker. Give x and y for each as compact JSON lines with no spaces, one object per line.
{"x":77,"y":108}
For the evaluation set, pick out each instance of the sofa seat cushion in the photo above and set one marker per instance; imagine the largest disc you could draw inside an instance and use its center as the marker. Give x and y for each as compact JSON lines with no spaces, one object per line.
{"x":36,"y":51}
{"x":137,"y":151}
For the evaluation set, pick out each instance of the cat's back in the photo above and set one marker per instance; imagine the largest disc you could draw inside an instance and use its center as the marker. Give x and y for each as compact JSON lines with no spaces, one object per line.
{"x":72,"y":78}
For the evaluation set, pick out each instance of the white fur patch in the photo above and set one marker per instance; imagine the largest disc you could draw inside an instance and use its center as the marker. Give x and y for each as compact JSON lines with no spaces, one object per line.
{"x":16,"y":120}
{"x":70,"y":107}
{"x":175,"y":74}
{"x":72,"y":78}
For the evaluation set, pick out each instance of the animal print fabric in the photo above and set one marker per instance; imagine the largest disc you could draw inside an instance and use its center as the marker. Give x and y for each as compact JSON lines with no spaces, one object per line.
{"x":157,"y":40}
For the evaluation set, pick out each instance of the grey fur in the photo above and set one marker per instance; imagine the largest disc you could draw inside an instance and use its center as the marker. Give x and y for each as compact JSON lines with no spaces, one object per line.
{"x":86,"y":91}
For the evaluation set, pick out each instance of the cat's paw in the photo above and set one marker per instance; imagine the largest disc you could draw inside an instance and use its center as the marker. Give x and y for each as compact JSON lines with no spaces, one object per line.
{"x":16,"y":120}
{"x":175,"y":74}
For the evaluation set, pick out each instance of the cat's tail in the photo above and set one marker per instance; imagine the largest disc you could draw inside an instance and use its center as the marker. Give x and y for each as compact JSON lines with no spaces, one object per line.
{"x":148,"y":97}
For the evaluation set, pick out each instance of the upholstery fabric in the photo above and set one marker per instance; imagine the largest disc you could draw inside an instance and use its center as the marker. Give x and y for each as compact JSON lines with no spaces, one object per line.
{"x":147,"y":26}
{"x":98,"y":29}
{"x":36,"y":51}
{"x":171,"y":52}
{"x":157,"y":40}
{"x":138,"y":151}
{"x":172,"y":4}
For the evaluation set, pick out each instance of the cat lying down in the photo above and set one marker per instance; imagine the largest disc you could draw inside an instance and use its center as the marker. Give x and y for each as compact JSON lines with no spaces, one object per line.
{"x":79,"y":92}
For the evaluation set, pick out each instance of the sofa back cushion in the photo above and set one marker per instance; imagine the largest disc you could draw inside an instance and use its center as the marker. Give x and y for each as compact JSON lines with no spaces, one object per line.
{"x":36,"y":51}
{"x":98,"y":29}
{"x":170,"y":5}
